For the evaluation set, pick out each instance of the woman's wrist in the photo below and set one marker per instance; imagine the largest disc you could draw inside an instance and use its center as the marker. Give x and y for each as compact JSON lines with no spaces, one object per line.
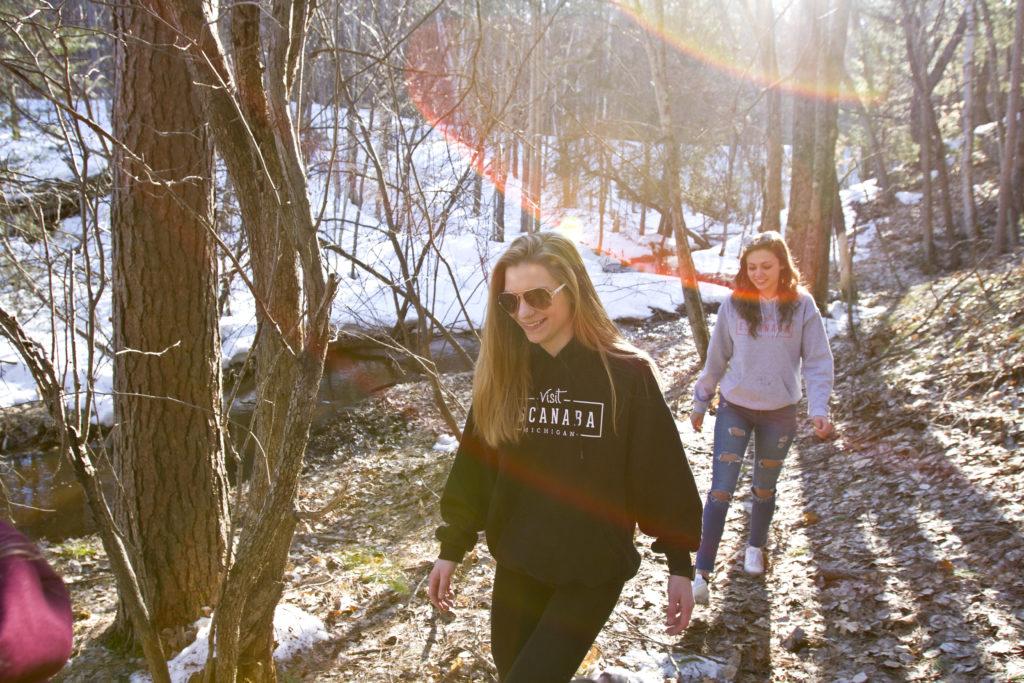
{"x":451,"y":553}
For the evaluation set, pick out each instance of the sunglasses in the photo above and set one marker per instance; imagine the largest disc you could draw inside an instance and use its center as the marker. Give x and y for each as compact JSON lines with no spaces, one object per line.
{"x":539,"y":298}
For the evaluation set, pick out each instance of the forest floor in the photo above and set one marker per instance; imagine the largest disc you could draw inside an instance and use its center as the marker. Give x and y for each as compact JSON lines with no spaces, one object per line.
{"x":896,"y":552}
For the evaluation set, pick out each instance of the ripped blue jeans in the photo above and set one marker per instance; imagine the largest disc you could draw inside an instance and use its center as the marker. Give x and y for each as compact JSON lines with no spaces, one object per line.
{"x":773,"y":432}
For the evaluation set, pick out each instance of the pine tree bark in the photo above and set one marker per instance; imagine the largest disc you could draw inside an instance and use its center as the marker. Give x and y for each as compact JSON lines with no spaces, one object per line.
{"x":255,"y":135}
{"x":168,"y":448}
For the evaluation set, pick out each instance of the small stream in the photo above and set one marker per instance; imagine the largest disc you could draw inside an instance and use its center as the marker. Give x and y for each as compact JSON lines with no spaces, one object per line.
{"x":47,"y":501}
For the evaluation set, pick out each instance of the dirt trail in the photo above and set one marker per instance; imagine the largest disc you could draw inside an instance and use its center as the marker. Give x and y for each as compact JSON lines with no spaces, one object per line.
{"x":896,"y":551}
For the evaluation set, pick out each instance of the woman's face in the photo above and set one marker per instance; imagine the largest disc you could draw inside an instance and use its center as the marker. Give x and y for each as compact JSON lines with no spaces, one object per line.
{"x":551,"y":327}
{"x":764,"y":269}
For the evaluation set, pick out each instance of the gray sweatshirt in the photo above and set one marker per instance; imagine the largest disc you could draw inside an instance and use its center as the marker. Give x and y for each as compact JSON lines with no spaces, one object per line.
{"x":763,"y":372}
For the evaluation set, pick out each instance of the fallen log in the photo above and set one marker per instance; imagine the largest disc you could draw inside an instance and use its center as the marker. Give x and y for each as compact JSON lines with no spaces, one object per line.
{"x":47,"y":202}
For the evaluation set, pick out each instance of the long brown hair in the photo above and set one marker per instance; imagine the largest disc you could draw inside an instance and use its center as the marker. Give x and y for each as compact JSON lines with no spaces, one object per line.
{"x":502,"y":379}
{"x":745,"y":296}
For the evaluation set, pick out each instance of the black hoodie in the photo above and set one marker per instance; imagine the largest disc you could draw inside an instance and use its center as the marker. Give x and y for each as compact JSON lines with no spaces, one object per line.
{"x":562,"y":504}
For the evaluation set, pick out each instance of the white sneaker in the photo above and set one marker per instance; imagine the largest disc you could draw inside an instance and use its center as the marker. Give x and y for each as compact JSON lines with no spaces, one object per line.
{"x":701,"y":592}
{"x":753,"y":562}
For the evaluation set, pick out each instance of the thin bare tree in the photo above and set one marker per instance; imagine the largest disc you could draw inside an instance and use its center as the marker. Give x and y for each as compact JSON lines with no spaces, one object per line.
{"x":1006,"y":234}
{"x":673,"y":198}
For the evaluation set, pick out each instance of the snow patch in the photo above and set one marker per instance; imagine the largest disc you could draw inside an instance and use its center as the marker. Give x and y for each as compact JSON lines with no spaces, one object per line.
{"x":986,"y":128}
{"x":837,"y":322}
{"x":860,"y":193}
{"x":294,"y":631}
{"x":908,"y":198}
{"x":641,"y":666}
{"x":446,"y":443}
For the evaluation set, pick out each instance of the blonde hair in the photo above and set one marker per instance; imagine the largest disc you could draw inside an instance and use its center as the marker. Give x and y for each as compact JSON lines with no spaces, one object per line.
{"x":502,"y":379}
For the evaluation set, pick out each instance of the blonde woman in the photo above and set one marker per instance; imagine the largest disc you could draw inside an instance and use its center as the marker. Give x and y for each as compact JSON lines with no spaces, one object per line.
{"x":569,"y":444}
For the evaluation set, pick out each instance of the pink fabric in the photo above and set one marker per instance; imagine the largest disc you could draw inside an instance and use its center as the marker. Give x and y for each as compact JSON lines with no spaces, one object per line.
{"x":35,"y":612}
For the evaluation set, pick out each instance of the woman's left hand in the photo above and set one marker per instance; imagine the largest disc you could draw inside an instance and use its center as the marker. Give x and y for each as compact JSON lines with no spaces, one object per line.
{"x":680,"y":605}
{"x":823,"y":428}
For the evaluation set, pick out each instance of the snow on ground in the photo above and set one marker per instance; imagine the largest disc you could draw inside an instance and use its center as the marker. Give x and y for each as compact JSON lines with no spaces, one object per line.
{"x":859,"y":193}
{"x":865,"y":235}
{"x":644,"y":666}
{"x":41,"y":153}
{"x":294,"y":631}
{"x":837,"y":322}
{"x":457,"y":294}
{"x":446,"y":443}
{"x":908,"y":198}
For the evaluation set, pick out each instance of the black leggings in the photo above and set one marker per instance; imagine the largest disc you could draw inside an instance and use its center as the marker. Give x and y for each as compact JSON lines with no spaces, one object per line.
{"x":541,"y":633}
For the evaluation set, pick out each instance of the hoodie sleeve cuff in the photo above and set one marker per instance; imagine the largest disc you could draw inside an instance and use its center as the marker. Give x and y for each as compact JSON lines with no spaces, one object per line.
{"x":679,"y":563}
{"x":818,"y":410}
{"x":701,"y":400}
{"x":451,"y":552}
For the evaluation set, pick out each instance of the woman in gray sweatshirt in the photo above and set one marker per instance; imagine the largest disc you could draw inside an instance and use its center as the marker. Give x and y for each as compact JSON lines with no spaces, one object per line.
{"x":768,"y":333}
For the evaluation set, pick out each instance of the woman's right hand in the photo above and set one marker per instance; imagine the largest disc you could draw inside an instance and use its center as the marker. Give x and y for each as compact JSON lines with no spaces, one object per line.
{"x":440,"y":584}
{"x":697,"y":421}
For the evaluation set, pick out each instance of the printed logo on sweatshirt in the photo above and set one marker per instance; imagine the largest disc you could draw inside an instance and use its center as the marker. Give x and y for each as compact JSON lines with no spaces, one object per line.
{"x":765,"y":329}
{"x":553,"y":413}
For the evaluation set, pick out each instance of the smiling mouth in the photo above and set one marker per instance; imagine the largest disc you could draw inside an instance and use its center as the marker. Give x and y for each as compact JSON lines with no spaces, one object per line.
{"x":533,"y":326}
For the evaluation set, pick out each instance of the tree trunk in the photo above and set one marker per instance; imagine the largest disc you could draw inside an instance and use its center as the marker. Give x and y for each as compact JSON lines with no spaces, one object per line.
{"x":948,"y":218}
{"x":728,"y":204}
{"x":13,"y":119}
{"x":876,"y":146}
{"x":981,"y":114}
{"x":525,"y":209}
{"x":537,"y":109}
{"x":918,"y":67}
{"x":514,"y":166}
{"x":656,"y":54}
{"x":262,"y":158}
{"x":168,"y":448}
{"x":478,"y":179}
{"x":847,"y":286}
{"x":500,"y":178}
{"x":993,"y":61}
{"x":770,"y":212}
{"x":815,"y":265}
{"x":602,"y":199}
{"x":967,"y":146}
{"x":928,"y":221}
{"x":565,"y":169}
{"x":646,"y":187}
{"x":353,"y":158}
{"x":804,"y":121}
{"x":1006,"y":229}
